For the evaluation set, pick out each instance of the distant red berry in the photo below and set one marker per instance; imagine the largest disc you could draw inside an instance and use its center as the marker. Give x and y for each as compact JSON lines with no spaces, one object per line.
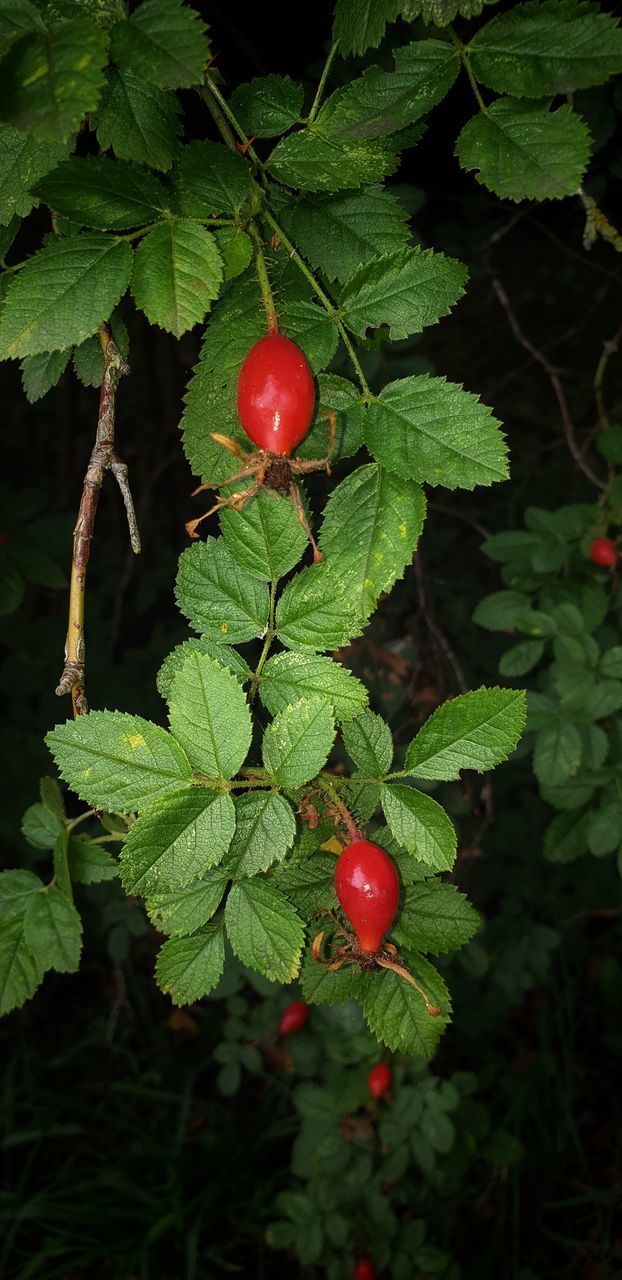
{"x":604,"y":553}
{"x":364,"y":1269}
{"x":379,"y":1079}
{"x":4,"y":540}
{"x":368,"y":890}
{"x":293,"y":1018}
{"x":276,"y":394}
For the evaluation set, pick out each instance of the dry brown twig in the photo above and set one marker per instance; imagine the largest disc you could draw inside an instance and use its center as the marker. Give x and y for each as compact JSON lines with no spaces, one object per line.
{"x":103,"y":458}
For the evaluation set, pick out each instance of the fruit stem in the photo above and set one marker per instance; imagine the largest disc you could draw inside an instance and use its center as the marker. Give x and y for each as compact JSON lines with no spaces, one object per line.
{"x":264,"y":280}
{"x":402,"y":972}
{"x":324,"y":299}
{"x":321,"y":86}
{"x":344,"y":813}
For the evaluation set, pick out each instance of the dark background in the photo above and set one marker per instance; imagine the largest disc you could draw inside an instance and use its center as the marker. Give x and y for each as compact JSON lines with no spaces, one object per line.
{"x":97,"y":1088}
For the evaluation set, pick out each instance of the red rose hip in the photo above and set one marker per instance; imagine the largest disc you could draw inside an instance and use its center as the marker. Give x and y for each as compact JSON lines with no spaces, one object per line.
{"x":604,"y":553}
{"x":379,"y":1079}
{"x":364,"y":1269}
{"x":293,"y":1018}
{"x":276,"y":395}
{"x":368,"y":889}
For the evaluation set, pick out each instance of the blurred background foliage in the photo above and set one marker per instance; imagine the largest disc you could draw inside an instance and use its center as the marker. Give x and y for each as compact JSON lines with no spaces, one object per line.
{"x":139,"y":1142}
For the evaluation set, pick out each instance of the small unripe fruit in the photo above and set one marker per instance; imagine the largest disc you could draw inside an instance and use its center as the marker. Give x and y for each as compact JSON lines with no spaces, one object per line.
{"x":604,"y":553}
{"x":368,"y":889}
{"x":379,"y":1079}
{"x":364,"y":1269}
{"x":293,"y":1018}
{"x":276,"y":395}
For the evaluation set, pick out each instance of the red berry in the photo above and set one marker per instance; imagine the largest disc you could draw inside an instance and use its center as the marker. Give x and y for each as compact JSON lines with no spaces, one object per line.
{"x":276,"y":395}
{"x":293,"y":1018}
{"x":364,"y":1269}
{"x":4,"y":540}
{"x":379,"y":1079}
{"x":368,"y":890}
{"x":604,"y":552}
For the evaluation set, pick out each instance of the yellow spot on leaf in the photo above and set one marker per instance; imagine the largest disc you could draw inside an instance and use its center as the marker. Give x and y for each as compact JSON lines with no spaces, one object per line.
{"x":134,"y":740}
{"x":84,"y":62}
{"x":36,"y":75}
{"x":224,"y":627}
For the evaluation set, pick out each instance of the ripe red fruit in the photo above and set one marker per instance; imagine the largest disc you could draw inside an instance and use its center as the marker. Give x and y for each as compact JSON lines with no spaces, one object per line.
{"x":604,"y":553}
{"x":276,"y":395}
{"x":379,"y":1079}
{"x":368,"y":890}
{"x":293,"y":1018}
{"x":364,"y":1269}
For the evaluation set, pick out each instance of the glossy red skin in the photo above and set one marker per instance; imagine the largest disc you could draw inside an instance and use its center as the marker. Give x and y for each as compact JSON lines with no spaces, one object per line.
{"x":368,"y":889}
{"x":293,"y":1018}
{"x":604,"y":553}
{"x":364,"y":1269}
{"x":379,"y":1079}
{"x":276,"y":395}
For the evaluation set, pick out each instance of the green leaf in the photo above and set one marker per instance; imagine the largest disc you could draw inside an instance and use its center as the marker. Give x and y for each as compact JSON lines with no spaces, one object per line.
{"x":12,"y":590}
{"x":369,"y":744}
{"x":314,"y":160}
{"x":89,"y":863}
{"x":52,"y":797}
{"x":178,"y":272}
{"x":20,"y":973}
{"x":40,"y":826}
{"x":177,"y":840}
{"x":371,"y":527}
{"x":344,"y":399}
{"x":309,"y":885}
{"x":382,"y":102}
{"x":476,"y":730}
{"x":524,"y":152}
{"x":360,"y":24}
{"x":501,"y":611}
{"x":264,"y":930}
{"x":189,"y":968}
{"x":63,"y":294}
{"x":314,"y":613}
{"x":611,"y":662}
{"x":557,"y":752}
{"x":539,"y":49}
{"x":16,"y":18}
{"x":338,"y":232}
{"x":88,"y":358}
{"x":138,"y":121}
{"x":604,"y":828}
{"x":164,"y":42}
{"x":435,"y":917}
{"x":211,"y":179}
{"x":420,"y":825}
{"x":287,"y":677}
{"x":265,"y":830}
{"x":521,"y":658}
{"x":218,"y":597}
{"x":427,"y":429}
{"x":223,"y":654}
{"x":267,"y":106}
{"x":41,"y":373}
{"x":265,"y":537}
{"x":321,"y":986}
{"x":51,"y":79}
{"x":16,"y":891}
{"x":405,"y":290}
{"x":565,"y":838}
{"x":53,"y":931}
{"x":396,"y":1014}
{"x":299,"y":741}
{"x":442,"y":12}
{"x":236,"y":250}
{"x":23,"y":161}
{"x":209,"y":716}
{"x":117,"y":761}
{"x":185,"y":910}
{"x":311,"y":328}
{"x":105,"y":194}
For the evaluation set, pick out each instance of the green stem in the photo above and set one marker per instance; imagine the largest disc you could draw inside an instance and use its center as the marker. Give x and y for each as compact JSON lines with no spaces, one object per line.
{"x":230,"y":121}
{"x":463,"y":55}
{"x":261,"y":268}
{"x":75,"y":822}
{"x":321,"y":86}
{"x":325,"y":300}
